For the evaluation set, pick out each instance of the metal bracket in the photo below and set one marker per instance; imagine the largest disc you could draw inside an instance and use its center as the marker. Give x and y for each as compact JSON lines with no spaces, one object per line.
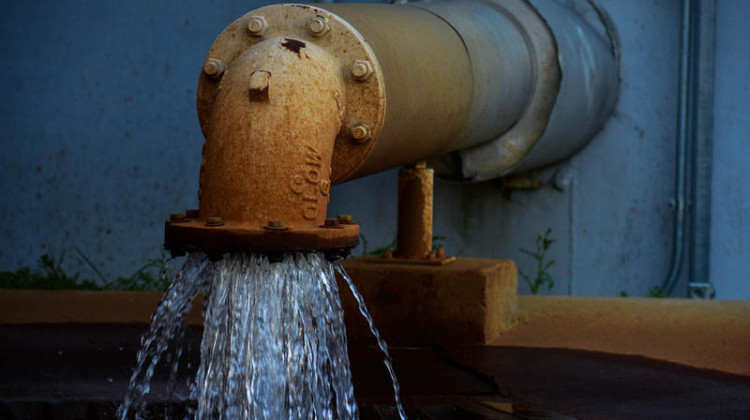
{"x":701,"y":290}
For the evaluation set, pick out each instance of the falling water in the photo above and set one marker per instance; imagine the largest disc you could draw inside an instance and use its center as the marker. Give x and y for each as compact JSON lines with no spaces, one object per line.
{"x":274,"y":342}
{"x":381,"y":343}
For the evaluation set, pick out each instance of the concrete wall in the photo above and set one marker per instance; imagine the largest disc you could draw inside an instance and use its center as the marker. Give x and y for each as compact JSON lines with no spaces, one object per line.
{"x":730,"y":240}
{"x":100,"y":142}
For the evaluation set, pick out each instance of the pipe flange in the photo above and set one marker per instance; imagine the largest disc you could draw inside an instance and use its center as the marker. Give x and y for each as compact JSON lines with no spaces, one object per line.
{"x":194,"y":235}
{"x":363,"y":78}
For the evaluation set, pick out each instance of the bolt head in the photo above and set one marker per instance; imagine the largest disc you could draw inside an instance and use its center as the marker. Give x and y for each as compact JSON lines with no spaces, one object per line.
{"x":257,"y":25}
{"x":361,"y":133}
{"x":214,"y":68}
{"x":331,"y":222}
{"x":275,"y":225}
{"x":318,"y":26}
{"x":361,"y":70}
{"x":345,"y":219}
{"x":440,"y":252}
{"x":176,"y":217}
{"x":214,"y":221}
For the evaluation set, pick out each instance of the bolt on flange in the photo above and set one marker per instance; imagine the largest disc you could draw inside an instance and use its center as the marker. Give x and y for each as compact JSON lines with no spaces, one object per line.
{"x":318,"y":26}
{"x":361,"y":70}
{"x":361,"y":133}
{"x":257,"y":25}
{"x":214,"y":221}
{"x":177,"y":218}
{"x":214,"y":68}
{"x":331,"y":223}
{"x":345,"y":219}
{"x":275,"y":225}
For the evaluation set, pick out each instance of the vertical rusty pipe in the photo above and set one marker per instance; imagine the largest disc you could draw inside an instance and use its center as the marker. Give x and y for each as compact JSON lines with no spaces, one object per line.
{"x":415,"y":185}
{"x":270,"y":136}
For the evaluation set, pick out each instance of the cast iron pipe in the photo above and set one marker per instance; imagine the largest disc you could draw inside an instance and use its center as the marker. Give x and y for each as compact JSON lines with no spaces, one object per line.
{"x":294,"y":98}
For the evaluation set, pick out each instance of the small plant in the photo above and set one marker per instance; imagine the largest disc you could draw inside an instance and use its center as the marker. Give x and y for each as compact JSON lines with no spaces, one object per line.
{"x":656,"y":292}
{"x":51,"y":276}
{"x":392,"y":246}
{"x":543,"y":243}
{"x":623,"y":293}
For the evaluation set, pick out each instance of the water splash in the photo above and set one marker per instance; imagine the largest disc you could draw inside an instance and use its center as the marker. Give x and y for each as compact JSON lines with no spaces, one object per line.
{"x":167,"y":324}
{"x":388,"y":361}
{"x":274,"y":342}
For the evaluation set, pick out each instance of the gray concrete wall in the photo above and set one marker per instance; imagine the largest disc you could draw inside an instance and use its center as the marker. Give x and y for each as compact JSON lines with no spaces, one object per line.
{"x":730,"y":240}
{"x":100,"y":142}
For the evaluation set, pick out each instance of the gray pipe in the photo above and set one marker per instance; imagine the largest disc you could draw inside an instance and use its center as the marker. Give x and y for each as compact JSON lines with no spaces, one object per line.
{"x":682,"y":139}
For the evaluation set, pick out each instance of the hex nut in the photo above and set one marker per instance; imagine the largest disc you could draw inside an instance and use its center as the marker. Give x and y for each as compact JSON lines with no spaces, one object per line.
{"x":440,"y":252}
{"x":214,"y":221}
{"x":275,"y":225}
{"x":361,"y":133}
{"x":331,"y":223}
{"x":214,"y":68}
{"x":319,"y":26}
{"x":176,"y":217}
{"x":361,"y":70}
{"x":345,"y":219}
{"x":257,"y":25}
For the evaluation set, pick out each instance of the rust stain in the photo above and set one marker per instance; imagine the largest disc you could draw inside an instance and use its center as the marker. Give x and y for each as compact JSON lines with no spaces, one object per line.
{"x":293,"y":45}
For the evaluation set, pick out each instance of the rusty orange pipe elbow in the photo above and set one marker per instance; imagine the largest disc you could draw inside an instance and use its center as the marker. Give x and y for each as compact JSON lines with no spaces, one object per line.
{"x":270,"y":136}
{"x":266,"y":171}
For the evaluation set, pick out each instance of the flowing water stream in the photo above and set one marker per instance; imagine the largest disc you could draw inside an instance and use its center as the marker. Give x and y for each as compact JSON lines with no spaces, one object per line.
{"x":274,"y":342}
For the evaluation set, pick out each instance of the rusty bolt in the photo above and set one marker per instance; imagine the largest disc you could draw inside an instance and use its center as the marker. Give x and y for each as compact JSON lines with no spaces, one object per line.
{"x":214,"y":68}
{"x":275,"y":225}
{"x":176,"y":217}
{"x":257,"y":25}
{"x":191,"y":214}
{"x":345,"y":219}
{"x":360,"y":132}
{"x":319,"y":26}
{"x":331,"y":223}
{"x":440,"y":252}
{"x":361,"y":70}
{"x":214,"y":221}
{"x":387,"y":254}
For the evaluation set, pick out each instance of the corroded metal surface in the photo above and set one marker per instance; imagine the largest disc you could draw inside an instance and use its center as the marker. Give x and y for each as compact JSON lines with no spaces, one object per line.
{"x":467,"y":301}
{"x":283,"y":88}
{"x":362,"y":99}
{"x":195,"y":235}
{"x":415,"y":196}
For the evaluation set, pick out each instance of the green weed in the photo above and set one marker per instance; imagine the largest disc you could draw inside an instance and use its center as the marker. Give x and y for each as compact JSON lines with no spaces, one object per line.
{"x":543,"y":243}
{"x":50,"y":275}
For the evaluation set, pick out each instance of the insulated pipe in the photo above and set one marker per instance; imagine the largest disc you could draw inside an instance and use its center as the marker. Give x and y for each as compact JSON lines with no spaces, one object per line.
{"x":294,"y":98}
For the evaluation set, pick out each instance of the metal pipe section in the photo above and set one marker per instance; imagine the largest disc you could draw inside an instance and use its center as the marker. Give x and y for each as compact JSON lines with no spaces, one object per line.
{"x":678,"y":242}
{"x":294,"y":98}
{"x":415,"y":194}
{"x":275,"y":120}
{"x":575,"y":91}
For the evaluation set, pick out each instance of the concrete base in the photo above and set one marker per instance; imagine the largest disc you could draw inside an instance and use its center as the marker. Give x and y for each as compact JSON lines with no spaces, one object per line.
{"x":466,"y":301}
